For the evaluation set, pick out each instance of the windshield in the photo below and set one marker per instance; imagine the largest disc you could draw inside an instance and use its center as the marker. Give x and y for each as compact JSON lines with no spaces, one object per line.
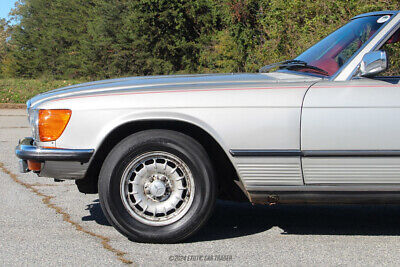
{"x":335,"y":50}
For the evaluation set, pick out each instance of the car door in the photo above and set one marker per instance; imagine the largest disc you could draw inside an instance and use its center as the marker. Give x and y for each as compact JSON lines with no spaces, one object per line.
{"x":350,"y":132}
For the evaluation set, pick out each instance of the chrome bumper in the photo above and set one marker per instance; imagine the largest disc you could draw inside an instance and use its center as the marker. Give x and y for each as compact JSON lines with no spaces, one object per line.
{"x":27,"y":151}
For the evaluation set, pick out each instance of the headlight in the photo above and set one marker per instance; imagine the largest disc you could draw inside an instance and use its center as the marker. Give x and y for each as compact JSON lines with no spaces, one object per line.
{"x":51,"y":123}
{"x":33,"y":122}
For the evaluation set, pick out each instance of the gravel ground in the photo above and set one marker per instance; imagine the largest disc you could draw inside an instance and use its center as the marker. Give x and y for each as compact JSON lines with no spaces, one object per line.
{"x":47,"y":223}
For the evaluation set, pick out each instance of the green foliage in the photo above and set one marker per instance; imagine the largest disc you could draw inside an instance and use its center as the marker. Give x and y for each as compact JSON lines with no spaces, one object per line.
{"x":393,"y":54}
{"x":3,"y":39}
{"x":20,"y":90}
{"x":4,"y":44}
{"x":47,"y":39}
{"x":267,"y":31}
{"x":107,"y":38}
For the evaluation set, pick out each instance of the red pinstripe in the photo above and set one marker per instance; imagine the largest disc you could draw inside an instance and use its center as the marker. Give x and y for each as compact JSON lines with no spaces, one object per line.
{"x":220,"y":89}
{"x":181,"y":91}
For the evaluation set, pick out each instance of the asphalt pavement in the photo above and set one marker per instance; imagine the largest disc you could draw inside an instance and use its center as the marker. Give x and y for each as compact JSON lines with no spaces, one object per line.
{"x":48,"y":223}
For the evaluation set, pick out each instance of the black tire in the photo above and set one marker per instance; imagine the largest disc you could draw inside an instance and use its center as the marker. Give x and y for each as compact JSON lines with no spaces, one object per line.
{"x":182,"y":146}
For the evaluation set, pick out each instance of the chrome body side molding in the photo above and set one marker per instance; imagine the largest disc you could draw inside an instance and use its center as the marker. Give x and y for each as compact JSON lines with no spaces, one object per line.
{"x":264,"y":153}
{"x":314,"y":153}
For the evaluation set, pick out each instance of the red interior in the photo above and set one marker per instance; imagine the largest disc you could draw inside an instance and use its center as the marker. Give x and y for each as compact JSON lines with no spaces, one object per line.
{"x":395,"y":38}
{"x":328,"y":62}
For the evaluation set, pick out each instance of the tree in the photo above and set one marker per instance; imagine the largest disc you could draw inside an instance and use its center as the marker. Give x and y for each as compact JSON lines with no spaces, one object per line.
{"x":147,"y":37}
{"x":107,"y":38}
{"x":4,"y":41}
{"x":47,"y":37}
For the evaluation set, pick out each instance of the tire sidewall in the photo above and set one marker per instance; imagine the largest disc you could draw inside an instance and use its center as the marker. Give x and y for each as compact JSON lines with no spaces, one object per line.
{"x":183,"y":147}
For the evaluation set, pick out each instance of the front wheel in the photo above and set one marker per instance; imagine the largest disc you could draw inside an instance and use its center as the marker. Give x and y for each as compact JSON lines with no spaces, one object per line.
{"x":157,"y":186}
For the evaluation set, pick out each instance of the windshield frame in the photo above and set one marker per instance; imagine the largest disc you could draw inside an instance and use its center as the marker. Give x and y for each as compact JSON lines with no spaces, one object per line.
{"x":348,"y":70}
{"x":377,"y":39}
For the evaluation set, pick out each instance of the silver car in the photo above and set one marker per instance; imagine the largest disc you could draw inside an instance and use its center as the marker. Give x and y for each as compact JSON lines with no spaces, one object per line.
{"x":321,"y":128}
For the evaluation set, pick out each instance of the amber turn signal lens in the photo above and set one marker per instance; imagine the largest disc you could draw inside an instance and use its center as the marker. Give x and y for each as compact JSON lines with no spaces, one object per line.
{"x":52,"y":123}
{"x":34,"y":165}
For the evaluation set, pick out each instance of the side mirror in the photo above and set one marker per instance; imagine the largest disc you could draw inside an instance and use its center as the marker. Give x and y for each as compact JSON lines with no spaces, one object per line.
{"x":373,"y":63}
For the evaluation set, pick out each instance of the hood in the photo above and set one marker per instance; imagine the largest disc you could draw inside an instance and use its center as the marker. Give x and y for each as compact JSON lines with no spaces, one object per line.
{"x":182,"y":82}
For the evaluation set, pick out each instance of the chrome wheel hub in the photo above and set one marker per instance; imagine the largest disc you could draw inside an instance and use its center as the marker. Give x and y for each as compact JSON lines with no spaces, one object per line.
{"x":157,"y":188}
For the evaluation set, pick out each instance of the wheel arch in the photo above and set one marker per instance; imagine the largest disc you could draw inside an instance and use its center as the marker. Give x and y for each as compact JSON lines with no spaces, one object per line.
{"x":230,"y":186}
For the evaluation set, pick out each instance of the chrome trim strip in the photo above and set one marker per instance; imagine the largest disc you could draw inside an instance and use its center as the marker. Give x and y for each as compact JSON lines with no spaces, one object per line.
{"x":327,"y":188}
{"x":264,"y":153}
{"x":26,"y":151}
{"x":313,"y":153}
{"x":376,"y":13}
{"x":351,"y":153}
